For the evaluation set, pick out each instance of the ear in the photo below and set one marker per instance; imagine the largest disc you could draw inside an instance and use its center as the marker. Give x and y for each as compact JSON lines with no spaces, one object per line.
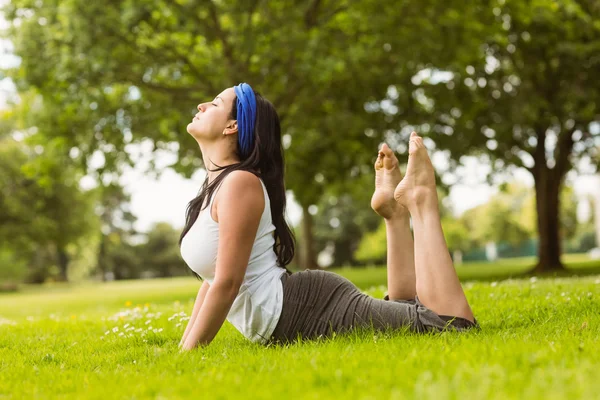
{"x":231,"y":127}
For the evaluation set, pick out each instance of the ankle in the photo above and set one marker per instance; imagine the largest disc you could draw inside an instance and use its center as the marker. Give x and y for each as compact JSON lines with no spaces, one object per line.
{"x":398,"y":218}
{"x":424,"y":209}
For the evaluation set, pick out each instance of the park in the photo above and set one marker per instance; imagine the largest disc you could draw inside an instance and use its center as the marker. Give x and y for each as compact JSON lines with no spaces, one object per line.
{"x":98,"y":163}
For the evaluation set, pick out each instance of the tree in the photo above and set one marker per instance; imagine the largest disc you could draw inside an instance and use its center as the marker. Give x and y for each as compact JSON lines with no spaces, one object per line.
{"x":110,"y":74}
{"x":458,"y":237}
{"x":12,"y":269}
{"x":116,"y":230}
{"x":43,"y":211}
{"x":373,"y":246}
{"x":526,"y":98}
{"x":342,"y":221}
{"x":160,"y":252}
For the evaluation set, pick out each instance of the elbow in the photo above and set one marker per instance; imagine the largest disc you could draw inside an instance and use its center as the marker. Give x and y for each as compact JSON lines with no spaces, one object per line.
{"x":227,"y":287}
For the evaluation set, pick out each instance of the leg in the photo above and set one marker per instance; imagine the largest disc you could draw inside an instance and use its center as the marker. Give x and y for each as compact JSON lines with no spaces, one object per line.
{"x":400,"y":255}
{"x":437,"y":284}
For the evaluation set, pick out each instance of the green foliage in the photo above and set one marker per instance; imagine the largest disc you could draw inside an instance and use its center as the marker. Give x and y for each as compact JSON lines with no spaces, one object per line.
{"x":112,"y":75}
{"x":568,"y":213}
{"x":125,"y":254}
{"x":506,"y":217}
{"x":458,"y":237}
{"x":343,"y":219}
{"x":523,"y":93}
{"x":43,"y":212}
{"x":373,"y":246}
{"x":160,"y":253}
{"x":515,"y":78}
{"x":12,"y":267}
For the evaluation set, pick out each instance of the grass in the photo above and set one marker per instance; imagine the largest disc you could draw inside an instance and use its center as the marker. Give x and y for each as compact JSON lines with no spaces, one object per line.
{"x":539,"y":340}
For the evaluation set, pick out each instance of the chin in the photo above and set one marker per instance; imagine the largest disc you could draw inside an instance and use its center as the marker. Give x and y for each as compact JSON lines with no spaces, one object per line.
{"x":192,"y":130}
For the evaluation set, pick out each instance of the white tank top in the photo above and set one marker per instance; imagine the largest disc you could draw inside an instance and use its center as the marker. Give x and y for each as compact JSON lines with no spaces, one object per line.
{"x":257,"y":307}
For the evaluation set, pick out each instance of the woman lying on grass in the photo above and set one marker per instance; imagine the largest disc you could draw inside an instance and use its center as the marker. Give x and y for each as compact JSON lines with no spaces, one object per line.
{"x":240,"y":246}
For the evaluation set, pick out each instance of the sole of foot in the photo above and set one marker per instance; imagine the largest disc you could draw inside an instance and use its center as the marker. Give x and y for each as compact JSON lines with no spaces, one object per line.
{"x":418,"y":185}
{"x":387,"y":177}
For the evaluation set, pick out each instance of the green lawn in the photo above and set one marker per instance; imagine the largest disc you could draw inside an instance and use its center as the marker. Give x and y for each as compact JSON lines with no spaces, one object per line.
{"x":539,"y":339}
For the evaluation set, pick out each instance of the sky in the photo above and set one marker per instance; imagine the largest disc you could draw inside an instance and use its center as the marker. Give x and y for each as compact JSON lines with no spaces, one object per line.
{"x":165,"y":199}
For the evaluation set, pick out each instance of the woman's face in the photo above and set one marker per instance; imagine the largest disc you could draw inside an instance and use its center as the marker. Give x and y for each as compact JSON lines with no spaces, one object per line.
{"x":212,"y":119}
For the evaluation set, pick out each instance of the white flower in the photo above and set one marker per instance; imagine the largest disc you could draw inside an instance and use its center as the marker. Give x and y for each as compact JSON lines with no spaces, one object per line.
{"x":121,"y":334}
{"x":115,"y":329}
{"x":147,"y":322}
{"x":178,"y":325}
{"x":107,"y":332}
{"x":126,"y":325}
{"x":493,"y":284}
{"x":532,"y":279}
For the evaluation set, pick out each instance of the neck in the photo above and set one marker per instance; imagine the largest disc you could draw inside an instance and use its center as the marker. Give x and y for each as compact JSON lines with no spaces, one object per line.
{"x":217,"y":154}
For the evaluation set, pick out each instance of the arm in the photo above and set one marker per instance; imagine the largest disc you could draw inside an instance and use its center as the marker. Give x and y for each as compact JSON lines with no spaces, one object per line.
{"x":240,"y":207}
{"x":199,"y":300}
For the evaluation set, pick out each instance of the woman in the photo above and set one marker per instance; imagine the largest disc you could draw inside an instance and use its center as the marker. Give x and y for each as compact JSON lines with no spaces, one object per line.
{"x":237,"y":241}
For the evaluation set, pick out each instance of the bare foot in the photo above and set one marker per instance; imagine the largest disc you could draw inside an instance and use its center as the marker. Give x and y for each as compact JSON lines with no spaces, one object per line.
{"x":387,"y":177}
{"x":418,"y":185}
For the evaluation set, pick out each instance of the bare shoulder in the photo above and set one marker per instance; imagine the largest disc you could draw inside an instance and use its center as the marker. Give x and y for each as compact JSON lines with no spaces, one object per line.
{"x":242,"y":182}
{"x":241,"y":190}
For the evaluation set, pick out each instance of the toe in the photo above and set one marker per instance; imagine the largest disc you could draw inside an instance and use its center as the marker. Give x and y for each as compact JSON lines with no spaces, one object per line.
{"x":389,"y":159}
{"x":379,"y":161}
{"x":385,"y":149}
{"x":415,"y":143}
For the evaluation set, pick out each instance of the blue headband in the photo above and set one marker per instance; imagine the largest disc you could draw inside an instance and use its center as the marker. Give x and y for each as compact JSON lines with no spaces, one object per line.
{"x":246,"y":117}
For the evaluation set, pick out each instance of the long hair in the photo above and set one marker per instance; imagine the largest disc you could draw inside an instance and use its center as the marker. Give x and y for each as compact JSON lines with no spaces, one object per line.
{"x":266,"y":155}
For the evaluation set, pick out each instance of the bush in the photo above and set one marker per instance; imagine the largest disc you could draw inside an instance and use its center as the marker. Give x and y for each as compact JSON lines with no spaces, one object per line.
{"x":12,"y":270}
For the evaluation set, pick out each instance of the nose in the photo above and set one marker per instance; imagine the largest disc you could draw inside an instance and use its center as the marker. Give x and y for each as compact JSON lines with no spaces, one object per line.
{"x":201,"y":107}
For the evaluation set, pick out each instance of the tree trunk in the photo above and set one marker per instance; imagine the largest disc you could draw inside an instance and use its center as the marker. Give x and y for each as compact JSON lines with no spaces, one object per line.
{"x":63,"y":264}
{"x":101,"y":262}
{"x":547,"y":190}
{"x":596,"y":208}
{"x":308,"y":259}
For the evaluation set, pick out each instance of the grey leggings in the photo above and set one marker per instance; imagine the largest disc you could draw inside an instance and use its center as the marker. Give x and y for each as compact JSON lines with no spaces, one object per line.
{"x":317,"y":303}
